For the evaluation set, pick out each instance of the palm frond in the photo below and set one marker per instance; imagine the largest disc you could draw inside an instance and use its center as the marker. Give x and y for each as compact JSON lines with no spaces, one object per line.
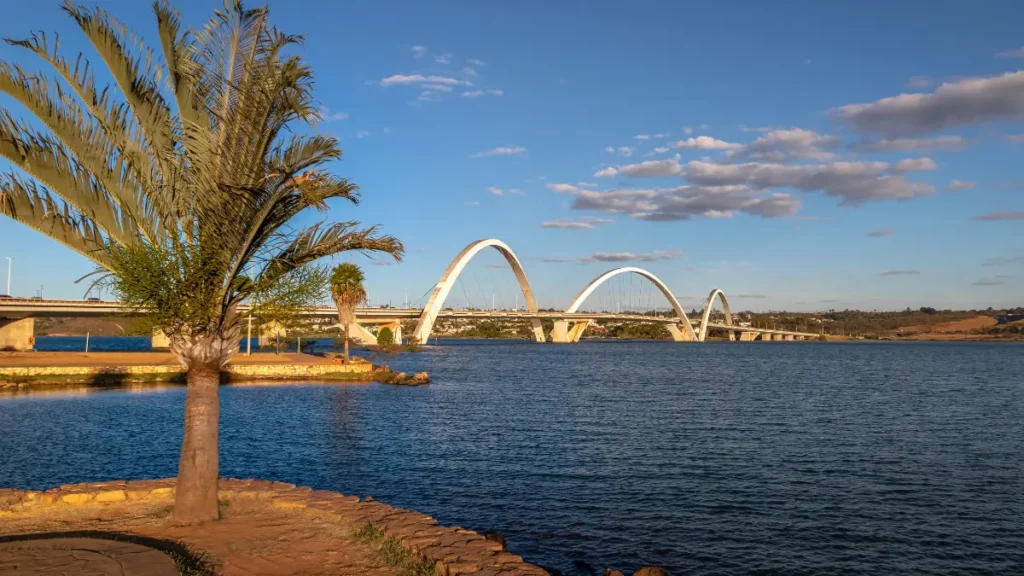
{"x":319,"y":240}
{"x":26,"y":202}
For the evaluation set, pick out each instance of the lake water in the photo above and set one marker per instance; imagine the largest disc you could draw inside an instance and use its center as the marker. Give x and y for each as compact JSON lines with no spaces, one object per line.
{"x":714,"y":458}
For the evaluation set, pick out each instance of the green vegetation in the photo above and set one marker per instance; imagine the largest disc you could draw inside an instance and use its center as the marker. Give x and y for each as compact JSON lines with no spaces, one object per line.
{"x":348,"y":293}
{"x":385,"y":337}
{"x":390,"y":552}
{"x":181,"y":183}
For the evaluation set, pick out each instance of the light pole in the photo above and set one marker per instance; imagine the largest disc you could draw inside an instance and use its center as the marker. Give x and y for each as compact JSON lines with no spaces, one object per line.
{"x":9,"y":260}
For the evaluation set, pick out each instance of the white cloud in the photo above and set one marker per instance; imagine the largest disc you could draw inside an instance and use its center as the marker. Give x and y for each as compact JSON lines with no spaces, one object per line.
{"x":681,"y":203}
{"x":472,"y":203}
{"x":919,"y":82}
{"x":907,"y":144}
{"x":641,"y":137}
{"x":687,"y":130}
{"x":621,"y":150}
{"x":999,"y":216}
{"x":961,"y":185}
{"x":648,"y":169}
{"x":501,"y":151}
{"x":405,"y":79}
{"x":362,"y":134}
{"x":445,"y":58}
{"x":913,"y":165}
{"x":479,"y":93}
{"x":428,"y":96}
{"x":438,"y":87}
{"x":587,"y":184}
{"x":495,"y":190}
{"x":1016,"y":138}
{"x":557,"y":260}
{"x":782,"y":145}
{"x":586,"y":223}
{"x":475,"y":62}
{"x":658,"y":150}
{"x":1018,"y":53}
{"x":705,"y":143}
{"x":328,"y":116}
{"x":652,"y":256}
{"x":516,"y":192}
{"x":1003,"y":260}
{"x":900,"y":273}
{"x":418,"y":51}
{"x":853,"y":182}
{"x":469,"y":71}
{"x":880,"y":233}
{"x":967,"y":101}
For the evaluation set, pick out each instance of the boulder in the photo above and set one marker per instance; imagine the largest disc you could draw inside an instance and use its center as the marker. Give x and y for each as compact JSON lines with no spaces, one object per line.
{"x":492,"y":535}
{"x":651,"y":571}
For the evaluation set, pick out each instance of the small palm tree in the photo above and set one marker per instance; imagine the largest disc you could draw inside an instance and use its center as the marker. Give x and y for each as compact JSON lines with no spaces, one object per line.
{"x":348,"y":293}
{"x":176,"y":181}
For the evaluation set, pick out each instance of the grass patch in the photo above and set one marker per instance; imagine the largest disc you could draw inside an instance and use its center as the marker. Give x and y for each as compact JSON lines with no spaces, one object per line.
{"x":390,"y":552}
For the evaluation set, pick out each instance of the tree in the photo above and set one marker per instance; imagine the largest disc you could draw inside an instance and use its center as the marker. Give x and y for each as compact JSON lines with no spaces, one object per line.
{"x":385,"y":337}
{"x":181,"y":184}
{"x":348,"y":292}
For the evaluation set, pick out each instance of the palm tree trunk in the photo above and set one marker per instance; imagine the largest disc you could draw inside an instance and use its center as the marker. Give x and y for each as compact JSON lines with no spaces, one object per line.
{"x":199,"y":466}
{"x":346,"y":343}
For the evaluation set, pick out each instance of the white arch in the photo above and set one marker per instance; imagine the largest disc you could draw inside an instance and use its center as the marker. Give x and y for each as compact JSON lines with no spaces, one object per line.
{"x":716,"y":293}
{"x":562,"y":325}
{"x":451,"y":274}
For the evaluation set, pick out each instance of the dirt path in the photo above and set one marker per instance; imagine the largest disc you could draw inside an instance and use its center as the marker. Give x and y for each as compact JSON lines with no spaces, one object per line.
{"x":251,"y":538}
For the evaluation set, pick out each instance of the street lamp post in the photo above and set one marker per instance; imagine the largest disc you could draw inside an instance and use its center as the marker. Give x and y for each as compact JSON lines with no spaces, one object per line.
{"x":9,"y":260}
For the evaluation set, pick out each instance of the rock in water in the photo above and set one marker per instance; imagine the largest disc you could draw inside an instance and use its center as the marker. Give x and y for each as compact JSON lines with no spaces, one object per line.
{"x":651,"y":571}
{"x":610,"y":572}
{"x":584,"y":566}
{"x":495,"y":536}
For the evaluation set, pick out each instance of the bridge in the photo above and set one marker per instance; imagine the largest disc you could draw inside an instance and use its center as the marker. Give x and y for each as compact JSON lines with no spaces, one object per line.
{"x":17,"y":314}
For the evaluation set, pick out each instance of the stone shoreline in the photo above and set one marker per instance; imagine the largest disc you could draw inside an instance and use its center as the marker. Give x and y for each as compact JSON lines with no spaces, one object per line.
{"x":48,"y":369}
{"x":452,"y":550}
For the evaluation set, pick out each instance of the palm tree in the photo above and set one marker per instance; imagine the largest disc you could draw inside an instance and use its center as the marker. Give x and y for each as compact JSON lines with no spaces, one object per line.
{"x":176,"y":182}
{"x":348,"y":292}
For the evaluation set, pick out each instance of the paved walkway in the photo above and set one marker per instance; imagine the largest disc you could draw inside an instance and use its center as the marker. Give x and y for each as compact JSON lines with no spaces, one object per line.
{"x":82,"y":557}
{"x":19,"y":359}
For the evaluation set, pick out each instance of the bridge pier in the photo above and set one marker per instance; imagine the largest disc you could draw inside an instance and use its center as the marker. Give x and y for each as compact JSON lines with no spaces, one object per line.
{"x":396,"y":330}
{"x":576,"y":332}
{"x":560,"y":332}
{"x":677,"y":334}
{"x":747,"y":336}
{"x":17,"y":335}
{"x":787,"y":337}
{"x":159,"y":340}
{"x":360,"y":335}
{"x":269,"y":334}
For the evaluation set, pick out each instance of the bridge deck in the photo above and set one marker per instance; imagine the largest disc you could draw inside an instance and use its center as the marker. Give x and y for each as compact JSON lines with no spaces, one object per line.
{"x":37,"y":308}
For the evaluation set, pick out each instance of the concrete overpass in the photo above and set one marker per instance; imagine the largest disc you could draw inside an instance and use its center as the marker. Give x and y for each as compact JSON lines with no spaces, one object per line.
{"x":17,"y":314}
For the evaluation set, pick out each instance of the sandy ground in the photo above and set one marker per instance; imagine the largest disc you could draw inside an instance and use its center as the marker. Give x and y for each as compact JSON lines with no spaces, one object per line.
{"x":976,"y":323}
{"x":251,"y":538}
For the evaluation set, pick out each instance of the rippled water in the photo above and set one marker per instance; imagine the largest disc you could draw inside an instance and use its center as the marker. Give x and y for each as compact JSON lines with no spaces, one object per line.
{"x":717,"y":458}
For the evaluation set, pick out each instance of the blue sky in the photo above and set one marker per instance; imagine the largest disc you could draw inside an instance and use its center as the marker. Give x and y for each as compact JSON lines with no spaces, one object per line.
{"x":780,"y":163}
